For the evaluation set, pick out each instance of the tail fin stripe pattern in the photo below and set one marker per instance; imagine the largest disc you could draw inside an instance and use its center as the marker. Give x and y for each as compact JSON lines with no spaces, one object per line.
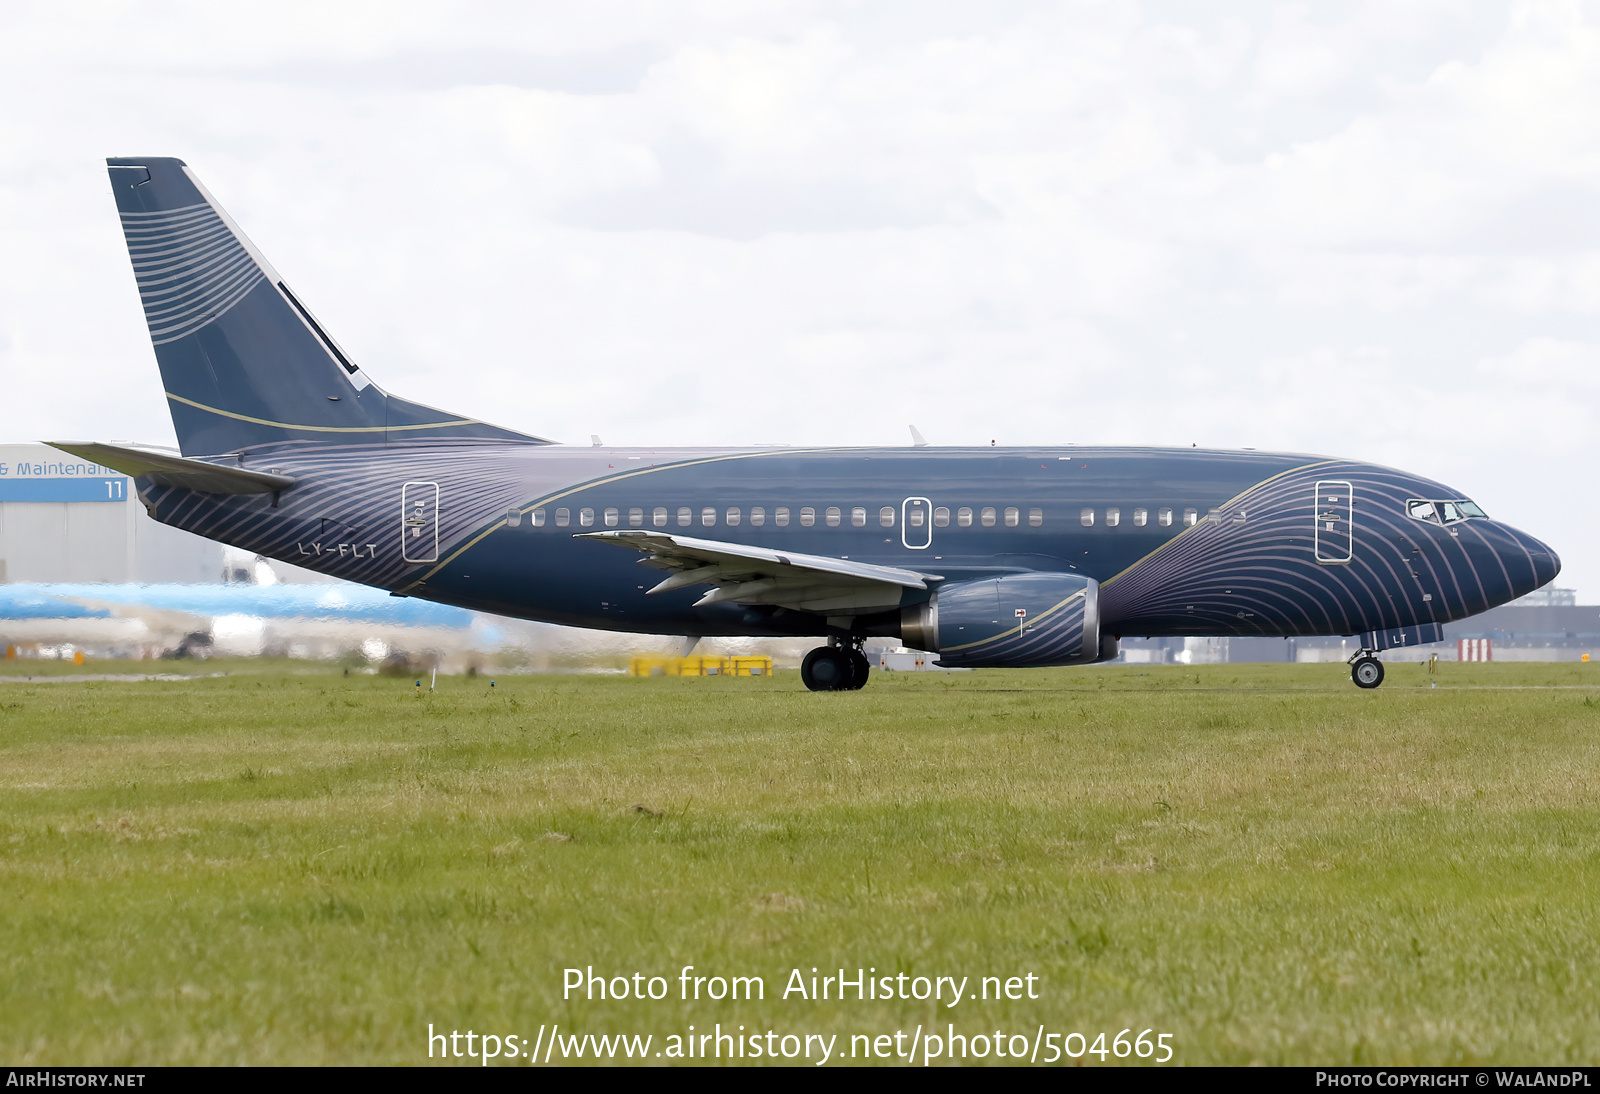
{"x":217,"y":257}
{"x":184,"y":214}
{"x":173,"y":232}
{"x":191,"y":269}
{"x":191,"y":249}
{"x":180,"y":305}
{"x":182,"y":286}
{"x":135,"y":218}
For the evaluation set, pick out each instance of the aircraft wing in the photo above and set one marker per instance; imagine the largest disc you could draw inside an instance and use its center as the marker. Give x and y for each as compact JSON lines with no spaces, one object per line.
{"x":167,"y":469}
{"x":743,"y":574}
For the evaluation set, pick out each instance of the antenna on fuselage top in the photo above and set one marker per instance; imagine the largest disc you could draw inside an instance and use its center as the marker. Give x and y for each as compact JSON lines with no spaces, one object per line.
{"x":917,"y":439}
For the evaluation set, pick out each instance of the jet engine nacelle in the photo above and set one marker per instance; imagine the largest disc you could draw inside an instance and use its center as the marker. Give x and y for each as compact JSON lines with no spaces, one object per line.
{"x":1012,"y":622}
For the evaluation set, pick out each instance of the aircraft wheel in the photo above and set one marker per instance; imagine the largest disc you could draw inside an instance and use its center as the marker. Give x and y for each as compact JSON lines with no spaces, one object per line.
{"x":860,"y":669}
{"x":1367,"y":672}
{"x":826,"y":669}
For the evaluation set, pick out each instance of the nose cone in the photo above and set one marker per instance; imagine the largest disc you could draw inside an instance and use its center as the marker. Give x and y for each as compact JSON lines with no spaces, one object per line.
{"x":1529,"y":563}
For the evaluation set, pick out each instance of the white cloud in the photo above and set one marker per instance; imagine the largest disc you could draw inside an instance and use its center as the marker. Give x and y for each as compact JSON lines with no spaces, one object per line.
{"x":1383,"y":283}
{"x":1545,"y":285}
{"x":1550,"y":370}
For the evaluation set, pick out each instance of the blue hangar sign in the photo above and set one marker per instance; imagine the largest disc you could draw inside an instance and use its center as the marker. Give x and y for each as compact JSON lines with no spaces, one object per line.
{"x":60,"y":480}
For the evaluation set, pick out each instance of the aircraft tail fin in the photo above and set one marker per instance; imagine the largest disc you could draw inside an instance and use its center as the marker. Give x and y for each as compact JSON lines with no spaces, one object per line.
{"x":244,"y":362}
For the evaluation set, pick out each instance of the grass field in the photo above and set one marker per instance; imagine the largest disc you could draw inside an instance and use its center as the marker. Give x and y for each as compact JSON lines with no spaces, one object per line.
{"x":285,"y":864}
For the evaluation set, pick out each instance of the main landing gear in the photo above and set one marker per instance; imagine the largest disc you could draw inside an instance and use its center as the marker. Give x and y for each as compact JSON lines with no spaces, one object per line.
{"x":1366,"y":670}
{"x":835,"y":667}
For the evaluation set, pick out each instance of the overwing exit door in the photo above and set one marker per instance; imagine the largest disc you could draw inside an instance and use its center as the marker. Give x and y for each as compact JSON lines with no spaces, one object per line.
{"x":916,"y":523}
{"x":419,"y":522}
{"x":1334,"y":513}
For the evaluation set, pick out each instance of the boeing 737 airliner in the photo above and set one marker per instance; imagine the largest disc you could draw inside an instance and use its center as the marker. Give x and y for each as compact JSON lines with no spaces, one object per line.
{"x":987,"y":557}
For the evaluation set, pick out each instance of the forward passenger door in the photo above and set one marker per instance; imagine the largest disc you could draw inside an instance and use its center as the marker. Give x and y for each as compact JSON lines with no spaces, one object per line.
{"x":1334,"y":514}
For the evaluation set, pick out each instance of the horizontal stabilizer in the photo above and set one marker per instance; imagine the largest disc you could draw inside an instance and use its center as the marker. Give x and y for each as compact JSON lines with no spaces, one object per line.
{"x":165,"y":469}
{"x":750,"y":575}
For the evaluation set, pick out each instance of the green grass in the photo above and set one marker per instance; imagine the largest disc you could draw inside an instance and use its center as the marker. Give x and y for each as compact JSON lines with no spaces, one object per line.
{"x":298,"y":866}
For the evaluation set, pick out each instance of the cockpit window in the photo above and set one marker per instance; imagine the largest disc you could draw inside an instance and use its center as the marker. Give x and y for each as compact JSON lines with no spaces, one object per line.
{"x":1442,"y":512}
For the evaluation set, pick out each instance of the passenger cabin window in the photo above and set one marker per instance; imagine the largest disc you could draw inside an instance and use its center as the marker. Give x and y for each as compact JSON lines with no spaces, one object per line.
{"x":685,"y":516}
{"x":1113,"y":517}
{"x":538,"y":518}
{"x":780,"y":516}
{"x":1036,"y":517}
{"x":886,"y":516}
{"x":733,"y":517}
{"x":964,"y":517}
{"x":1164,"y":517}
{"x":758,"y":516}
{"x":513,"y":518}
{"x":658,"y":516}
{"x":586,"y":517}
{"x":987,"y":516}
{"x":941,"y":517}
{"x":611,"y":518}
{"x":1086,"y":517}
{"x":832,"y":516}
{"x":1189,"y":517}
{"x":563,"y":518}
{"x":1141,"y":517}
{"x":636,"y":518}
{"x":808,"y":516}
{"x":1013,"y":517}
{"x":858,"y":517}
{"x":708,"y":516}
{"x":915,"y":517}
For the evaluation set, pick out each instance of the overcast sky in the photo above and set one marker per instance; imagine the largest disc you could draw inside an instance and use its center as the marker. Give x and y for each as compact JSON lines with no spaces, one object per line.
{"x":1366,"y":230}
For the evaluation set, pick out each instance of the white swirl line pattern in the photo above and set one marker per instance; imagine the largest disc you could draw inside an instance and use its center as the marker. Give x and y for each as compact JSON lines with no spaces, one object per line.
{"x":1056,"y":639}
{"x":190,"y":266}
{"x":1263,"y":577}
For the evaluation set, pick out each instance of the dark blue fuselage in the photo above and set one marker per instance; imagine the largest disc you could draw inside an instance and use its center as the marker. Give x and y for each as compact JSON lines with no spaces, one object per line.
{"x":1182,"y":541}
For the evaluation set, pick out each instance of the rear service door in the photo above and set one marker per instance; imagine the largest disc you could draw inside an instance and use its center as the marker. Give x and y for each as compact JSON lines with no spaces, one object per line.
{"x":916,"y":523}
{"x":1334,"y":513}
{"x":419,"y":522}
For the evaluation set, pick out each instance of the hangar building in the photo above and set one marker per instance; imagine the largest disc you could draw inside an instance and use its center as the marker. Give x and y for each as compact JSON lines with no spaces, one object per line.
{"x":65,"y":519}
{"x":1546,"y":625}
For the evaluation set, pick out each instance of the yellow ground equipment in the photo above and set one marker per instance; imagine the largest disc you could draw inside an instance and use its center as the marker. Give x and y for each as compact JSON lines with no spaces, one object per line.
{"x":700,"y":666}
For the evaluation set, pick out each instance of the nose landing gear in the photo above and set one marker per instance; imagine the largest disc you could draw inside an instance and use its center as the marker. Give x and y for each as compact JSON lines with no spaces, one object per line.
{"x":835,"y":667}
{"x":1366,"y":670}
